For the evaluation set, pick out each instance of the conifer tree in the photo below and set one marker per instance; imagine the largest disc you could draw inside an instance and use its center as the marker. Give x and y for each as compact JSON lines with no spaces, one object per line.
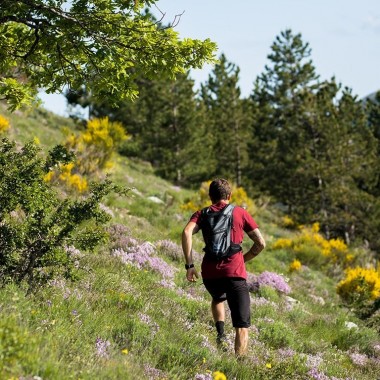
{"x":278,"y":110}
{"x":164,"y":123}
{"x":312,"y":149}
{"x":225,"y":120}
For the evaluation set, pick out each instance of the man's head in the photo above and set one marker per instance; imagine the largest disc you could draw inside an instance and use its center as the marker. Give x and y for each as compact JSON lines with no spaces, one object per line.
{"x":219,"y":190}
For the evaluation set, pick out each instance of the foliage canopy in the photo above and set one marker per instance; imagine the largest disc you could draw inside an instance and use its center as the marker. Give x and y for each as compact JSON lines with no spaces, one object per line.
{"x":104,"y":44}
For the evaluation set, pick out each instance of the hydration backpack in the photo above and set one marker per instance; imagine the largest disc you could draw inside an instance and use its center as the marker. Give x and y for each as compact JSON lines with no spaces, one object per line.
{"x":216,"y":230}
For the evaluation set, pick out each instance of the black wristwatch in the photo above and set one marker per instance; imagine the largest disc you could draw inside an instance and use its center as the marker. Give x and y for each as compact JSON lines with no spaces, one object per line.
{"x":188,"y":266}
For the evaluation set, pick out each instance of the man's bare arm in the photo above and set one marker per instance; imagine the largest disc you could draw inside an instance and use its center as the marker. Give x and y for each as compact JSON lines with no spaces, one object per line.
{"x":187,"y":242}
{"x":258,"y":244}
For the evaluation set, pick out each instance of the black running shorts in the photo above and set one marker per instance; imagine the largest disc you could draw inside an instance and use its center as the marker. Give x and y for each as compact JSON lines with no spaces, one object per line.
{"x":235,"y":291}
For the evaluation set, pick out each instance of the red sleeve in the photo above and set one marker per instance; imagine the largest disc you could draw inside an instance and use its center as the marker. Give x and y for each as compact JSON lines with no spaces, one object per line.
{"x":249,"y":223}
{"x":195,"y":217}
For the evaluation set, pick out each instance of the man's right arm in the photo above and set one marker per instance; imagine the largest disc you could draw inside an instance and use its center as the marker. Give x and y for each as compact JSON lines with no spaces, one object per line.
{"x":187,"y":242}
{"x":258,"y":244}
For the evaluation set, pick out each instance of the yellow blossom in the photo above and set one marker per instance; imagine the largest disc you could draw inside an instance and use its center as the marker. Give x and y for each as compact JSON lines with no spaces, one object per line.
{"x":4,"y":124}
{"x":217,"y":375}
{"x":362,"y":282}
{"x":295,"y":265}
{"x":268,"y":365}
{"x":48,"y":176}
{"x":287,"y":221}
{"x":282,"y":243}
{"x":315,"y":227}
{"x":125,"y":351}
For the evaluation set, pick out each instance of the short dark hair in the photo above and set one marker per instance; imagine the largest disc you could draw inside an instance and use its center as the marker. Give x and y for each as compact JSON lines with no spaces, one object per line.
{"x":219,"y":190}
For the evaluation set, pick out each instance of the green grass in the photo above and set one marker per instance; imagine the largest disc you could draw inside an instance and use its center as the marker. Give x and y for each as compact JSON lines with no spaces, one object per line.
{"x":119,"y":321}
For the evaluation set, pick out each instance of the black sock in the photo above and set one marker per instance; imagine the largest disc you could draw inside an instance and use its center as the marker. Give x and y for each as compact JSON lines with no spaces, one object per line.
{"x":220,"y":327}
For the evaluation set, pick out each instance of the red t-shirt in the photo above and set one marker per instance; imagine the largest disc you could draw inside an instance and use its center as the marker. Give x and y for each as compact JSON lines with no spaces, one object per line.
{"x":232,"y":266}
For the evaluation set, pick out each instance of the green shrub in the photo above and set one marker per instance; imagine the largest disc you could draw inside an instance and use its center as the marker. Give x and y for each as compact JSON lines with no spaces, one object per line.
{"x":362,"y":338}
{"x":276,"y":334}
{"x":40,"y":228}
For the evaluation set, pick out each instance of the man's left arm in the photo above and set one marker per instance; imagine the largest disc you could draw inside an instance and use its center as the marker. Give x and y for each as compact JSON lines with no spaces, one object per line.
{"x":258,"y":244}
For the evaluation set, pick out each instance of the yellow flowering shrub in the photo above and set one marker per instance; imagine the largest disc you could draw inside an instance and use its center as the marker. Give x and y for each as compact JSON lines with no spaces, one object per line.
{"x":282,"y":243}
{"x":313,"y":249}
{"x":315,"y":227}
{"x":360,"y":285}
{"x":4,"y":124}
{"x":95,"y":146}
{"x":295,"y":266}
{"x":65,"y":176}
{"x":239,"y":197}
{"x":288,"y":222}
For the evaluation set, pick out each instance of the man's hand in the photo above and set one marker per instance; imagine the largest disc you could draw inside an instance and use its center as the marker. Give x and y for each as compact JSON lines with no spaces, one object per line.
{"x":192,"y":275}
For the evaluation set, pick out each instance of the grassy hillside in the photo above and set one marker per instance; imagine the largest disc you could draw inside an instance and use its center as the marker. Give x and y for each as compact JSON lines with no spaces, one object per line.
{"x":132,"y":314}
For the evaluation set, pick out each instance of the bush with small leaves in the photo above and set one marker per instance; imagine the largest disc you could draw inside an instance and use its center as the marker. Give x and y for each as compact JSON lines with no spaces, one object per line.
{"x":37,"y":223}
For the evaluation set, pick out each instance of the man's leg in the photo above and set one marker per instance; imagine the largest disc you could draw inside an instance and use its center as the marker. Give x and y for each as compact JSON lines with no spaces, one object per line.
{"x":241,"y":341}
{"x":218,"y":311}
{"x":239,"y":303}
{"x":215,"y":288}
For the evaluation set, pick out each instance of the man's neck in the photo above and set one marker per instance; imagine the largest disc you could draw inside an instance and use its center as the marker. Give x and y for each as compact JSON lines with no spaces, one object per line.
{"x":225,"y":201}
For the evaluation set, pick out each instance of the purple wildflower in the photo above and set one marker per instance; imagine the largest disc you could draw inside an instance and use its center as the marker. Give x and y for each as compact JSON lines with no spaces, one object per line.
{"x":167,"y":284}
{"x":273,"y":280}
{"x":314,"y":361}
{"x":140,"y":255}
{"x":285,"y":353}
{"x":314,"y":374}
{"x":154,"y":373}
{"x":254,"y":286}
{"x":359,"y":359}
{"x":102,"y":347}
{"x":161,"y":266}
{"x":171,"y":249}
{"x":49,"y":303}
{"x":119,"y":235}
{"x":261,"y":301}
{"x":189,"y":295}
{"x":206,"y":343}
{"x":148,"y":321}
{"x":201,"y":376}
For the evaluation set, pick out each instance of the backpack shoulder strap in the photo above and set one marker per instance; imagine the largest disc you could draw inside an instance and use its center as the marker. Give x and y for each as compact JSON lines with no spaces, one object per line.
{"x":228,"y":209}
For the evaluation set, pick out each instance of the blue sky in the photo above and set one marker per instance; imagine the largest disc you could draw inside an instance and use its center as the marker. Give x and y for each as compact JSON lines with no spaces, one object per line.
{"x":344,"y":36}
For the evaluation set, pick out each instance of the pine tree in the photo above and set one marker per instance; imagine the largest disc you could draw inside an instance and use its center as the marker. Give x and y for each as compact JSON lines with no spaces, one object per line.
{"x":312,"y":149}
{"x":278,"y":111}
{"x":226,"y":120}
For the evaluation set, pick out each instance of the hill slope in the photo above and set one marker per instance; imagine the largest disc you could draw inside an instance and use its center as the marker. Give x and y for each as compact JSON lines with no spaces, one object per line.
{"x":132,"y":314}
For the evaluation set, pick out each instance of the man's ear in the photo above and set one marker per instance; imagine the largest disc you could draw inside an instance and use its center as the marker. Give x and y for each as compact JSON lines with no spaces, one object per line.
{"x":229,"y":197}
